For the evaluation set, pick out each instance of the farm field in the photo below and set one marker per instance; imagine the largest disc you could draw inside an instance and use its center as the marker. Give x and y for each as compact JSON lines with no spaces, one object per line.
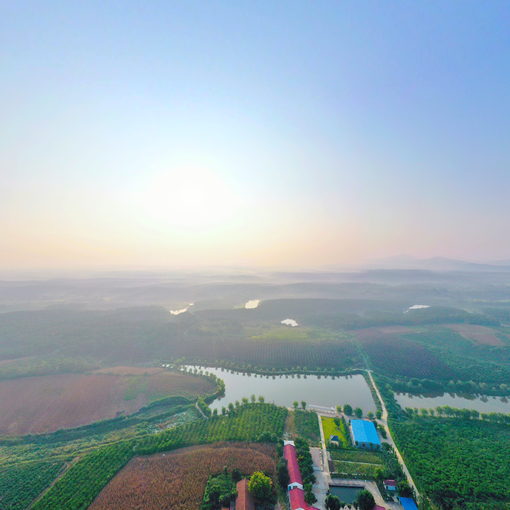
{"x":307,"y":426}
{"x":21,"y":484}
{"x":81,"y":484}
{"x":355,"y":469}
{"x":356,"y":456}
{"x":458,"y":463}
{"x":32,"y":405}
{"x":478,"y":334}
{"x":177,"y":479}
{"x":303,"y":424}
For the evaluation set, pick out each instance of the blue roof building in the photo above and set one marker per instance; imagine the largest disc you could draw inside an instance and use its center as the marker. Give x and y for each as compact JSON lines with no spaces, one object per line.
{"x":364,"y":434}
{"x":408,"y":503}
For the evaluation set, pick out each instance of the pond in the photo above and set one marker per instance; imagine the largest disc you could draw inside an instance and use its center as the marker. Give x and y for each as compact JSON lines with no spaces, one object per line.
{"x":283,"y":390}
{"x":483,"y":404}
{"x":346,"y":493}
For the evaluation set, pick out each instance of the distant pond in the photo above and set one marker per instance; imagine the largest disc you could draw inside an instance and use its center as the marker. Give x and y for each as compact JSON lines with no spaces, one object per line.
{"x":283,"y":390}
{"x":483,"y":404}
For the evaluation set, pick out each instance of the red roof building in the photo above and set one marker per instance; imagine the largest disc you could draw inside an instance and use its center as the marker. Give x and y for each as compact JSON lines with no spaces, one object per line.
{"x":244,"y":500}
{"x":295,"y":488}
{"x":290,"y":454}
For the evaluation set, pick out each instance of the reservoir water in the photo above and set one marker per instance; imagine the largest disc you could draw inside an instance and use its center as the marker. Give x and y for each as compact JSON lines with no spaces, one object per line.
{"x":283,"y":390}
{"x":483,"y":404}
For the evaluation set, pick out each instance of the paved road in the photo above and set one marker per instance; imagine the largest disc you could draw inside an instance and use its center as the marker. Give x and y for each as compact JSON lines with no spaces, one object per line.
{"x":384,"y":421}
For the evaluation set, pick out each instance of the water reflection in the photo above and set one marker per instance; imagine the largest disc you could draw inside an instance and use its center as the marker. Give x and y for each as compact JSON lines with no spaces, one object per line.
{"x":324,"y":391}
{"x":481,"y":403}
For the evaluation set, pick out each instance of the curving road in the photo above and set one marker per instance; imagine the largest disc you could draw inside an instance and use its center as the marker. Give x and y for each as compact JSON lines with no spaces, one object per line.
{"x":384,"y":421}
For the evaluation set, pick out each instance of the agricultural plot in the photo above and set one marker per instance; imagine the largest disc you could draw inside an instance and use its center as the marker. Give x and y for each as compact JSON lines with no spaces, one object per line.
{"x":306,"y":425}
{"x":356,"y":463}
{"x":482,"y":335}
{"x":178,"y":479}
{"x":365,"y":457}
{"x":395,"y":355}
{"x":20,"y":484}
{"x":356,"y":469}
{"x":330,"y":428}
{"x":32,"y":405}
{"x":458,"y":463}
{"x":80,"y":485}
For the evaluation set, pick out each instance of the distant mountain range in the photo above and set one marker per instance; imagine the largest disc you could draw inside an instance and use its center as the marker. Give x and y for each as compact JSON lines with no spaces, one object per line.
{"x":437,"y":264}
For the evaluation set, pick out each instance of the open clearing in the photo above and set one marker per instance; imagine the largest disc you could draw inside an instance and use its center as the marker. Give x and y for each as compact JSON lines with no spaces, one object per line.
{"x":32,"y":405}
{"x":478,"y":334}
{"x":177,"y":480}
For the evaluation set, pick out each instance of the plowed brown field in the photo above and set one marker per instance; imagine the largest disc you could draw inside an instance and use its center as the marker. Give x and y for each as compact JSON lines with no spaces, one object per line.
{"x":176,"y":480}
{"x":478,"y":334}
{"x":32,"y":405}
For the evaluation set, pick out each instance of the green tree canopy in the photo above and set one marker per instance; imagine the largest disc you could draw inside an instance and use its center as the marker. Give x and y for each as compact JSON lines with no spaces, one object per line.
{"x":333,"y":502}
{"x":261,"y":486}
{"x":365,"y":500}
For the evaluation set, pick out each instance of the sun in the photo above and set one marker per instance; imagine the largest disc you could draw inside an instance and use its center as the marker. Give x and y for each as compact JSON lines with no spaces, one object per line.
{"x":189,"y":199}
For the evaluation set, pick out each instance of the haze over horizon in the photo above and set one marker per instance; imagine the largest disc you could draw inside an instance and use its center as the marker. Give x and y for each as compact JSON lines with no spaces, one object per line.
{"x":217,"y":134}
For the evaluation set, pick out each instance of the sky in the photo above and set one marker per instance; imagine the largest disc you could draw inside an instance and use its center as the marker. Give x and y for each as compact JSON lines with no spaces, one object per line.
{"x":253,"y":133}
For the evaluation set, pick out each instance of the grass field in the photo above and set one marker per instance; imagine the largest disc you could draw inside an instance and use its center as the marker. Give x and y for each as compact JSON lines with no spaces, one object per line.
{"x":177,"y":479}
{"x":331,"y":429}
{"x":31,"y":405}
{"x":356,"y":456}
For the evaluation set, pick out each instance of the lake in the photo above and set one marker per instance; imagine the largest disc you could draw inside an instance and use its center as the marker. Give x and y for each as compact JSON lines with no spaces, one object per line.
{"x":283,"y":390}
{"x":482,"y":404}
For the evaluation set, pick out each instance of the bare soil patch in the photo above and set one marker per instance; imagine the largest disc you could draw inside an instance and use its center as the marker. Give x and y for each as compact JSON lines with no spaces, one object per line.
{"x":121,"y":370}
{"x":479,"y":334}
{"x":176,"y":480}
{"x":33,"y":405}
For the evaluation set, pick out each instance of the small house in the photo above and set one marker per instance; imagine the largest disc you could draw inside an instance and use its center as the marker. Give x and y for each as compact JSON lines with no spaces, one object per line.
{"x":390,"y":485}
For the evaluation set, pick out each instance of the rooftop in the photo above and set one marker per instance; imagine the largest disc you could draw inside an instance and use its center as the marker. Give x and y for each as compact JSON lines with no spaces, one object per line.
{"x":244,"y":500}
{"x":364,"y":432}
{"x":408,"y":503}
{"x":297,"y":500}
{"x":290,"y":454}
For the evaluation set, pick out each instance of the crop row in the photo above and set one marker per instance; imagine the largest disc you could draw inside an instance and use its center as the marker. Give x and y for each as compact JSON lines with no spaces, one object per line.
{"x":85,"y":479}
